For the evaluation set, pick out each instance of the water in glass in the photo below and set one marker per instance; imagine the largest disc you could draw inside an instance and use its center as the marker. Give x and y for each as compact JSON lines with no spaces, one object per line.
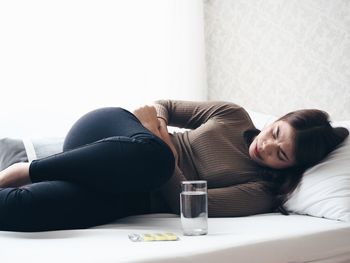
{"x":194,"y":212}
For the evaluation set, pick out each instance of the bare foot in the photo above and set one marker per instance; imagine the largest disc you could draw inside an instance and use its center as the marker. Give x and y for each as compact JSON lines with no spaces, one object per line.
{"x":15,"y":175}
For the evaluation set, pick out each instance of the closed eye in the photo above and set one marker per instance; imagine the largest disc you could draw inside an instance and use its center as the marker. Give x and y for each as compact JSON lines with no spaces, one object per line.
{"x":281,"y":154}
{"x":274,"y":133}
{"x":285,"y":157}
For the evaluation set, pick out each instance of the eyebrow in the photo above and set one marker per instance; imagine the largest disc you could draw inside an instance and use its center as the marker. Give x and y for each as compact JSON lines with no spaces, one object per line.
{"x":283,"y":153}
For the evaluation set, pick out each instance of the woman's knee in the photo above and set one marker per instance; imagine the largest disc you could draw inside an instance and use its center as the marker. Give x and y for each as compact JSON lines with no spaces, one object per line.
{"x":54,"y":205}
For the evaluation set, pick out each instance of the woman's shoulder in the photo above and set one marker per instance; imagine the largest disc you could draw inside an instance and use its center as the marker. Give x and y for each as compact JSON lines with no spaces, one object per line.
{"x":233,"y":111}
{"x":227,"y":104}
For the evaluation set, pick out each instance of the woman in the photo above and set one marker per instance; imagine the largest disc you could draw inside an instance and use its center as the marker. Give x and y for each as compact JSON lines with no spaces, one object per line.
{"x":115,"y":163}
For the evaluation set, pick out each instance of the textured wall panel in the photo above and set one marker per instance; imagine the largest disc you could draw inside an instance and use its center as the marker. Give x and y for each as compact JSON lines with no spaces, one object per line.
{"x":274,"y":56}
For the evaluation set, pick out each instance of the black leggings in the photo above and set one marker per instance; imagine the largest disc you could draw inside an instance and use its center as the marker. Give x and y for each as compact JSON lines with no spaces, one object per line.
{"x":109,"y":165}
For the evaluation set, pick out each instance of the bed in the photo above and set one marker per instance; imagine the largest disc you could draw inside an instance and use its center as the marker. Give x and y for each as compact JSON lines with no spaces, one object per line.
{"x":260,"y":238}
{"x":317,"y":231}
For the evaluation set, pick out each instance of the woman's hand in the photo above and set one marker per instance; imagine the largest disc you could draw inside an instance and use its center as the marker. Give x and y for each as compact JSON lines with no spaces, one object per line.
{"x":147,"y":115}
{"x":163,"y":130}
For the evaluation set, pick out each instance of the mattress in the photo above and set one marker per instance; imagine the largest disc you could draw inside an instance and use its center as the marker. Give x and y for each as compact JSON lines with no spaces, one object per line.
{"x":260,"y":238}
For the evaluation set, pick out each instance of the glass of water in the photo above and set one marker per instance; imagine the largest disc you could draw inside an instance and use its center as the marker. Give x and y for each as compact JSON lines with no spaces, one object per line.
{"x":194,"y":208}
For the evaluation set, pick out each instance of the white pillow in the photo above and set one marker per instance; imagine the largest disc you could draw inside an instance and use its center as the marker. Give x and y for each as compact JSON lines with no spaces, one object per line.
{"x":325,"y":188}
{"x":260,"y":120}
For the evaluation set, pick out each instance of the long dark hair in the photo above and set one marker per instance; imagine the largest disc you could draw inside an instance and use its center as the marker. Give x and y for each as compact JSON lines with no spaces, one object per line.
{"x":314,"y":139}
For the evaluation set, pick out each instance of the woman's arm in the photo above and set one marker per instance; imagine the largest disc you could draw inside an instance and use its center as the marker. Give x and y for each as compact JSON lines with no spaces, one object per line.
{"x":192,"y":114}
{"x":163,"y":130}
{"x":240,"y":200}
{"x":232,"y":201}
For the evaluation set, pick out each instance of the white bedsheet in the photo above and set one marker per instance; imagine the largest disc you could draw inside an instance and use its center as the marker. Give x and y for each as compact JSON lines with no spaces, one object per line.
{"x":261,"y":238}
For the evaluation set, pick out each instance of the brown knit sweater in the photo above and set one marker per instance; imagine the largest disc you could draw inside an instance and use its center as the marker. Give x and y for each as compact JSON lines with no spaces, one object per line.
{"x":214,"y":149}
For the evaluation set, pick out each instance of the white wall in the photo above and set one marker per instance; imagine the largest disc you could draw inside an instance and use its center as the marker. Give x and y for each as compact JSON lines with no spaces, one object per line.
{"x":274,"y":56}
{"x":59,"y":59}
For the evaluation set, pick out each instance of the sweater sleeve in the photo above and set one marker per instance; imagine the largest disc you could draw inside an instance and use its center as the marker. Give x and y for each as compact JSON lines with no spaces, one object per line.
{"x":240,"y":200}
{"x":190,"y":114}
{"x":236,"y":200}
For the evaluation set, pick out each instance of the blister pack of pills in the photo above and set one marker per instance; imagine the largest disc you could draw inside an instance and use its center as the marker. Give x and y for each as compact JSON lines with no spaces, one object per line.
{"x":146,"y":237}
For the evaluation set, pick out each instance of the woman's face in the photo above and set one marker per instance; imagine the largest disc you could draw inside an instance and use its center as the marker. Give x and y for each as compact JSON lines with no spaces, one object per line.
{"x":274,"y":146}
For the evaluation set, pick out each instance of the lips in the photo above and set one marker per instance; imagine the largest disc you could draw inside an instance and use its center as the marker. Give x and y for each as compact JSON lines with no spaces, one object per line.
{"x":256,"y":152}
